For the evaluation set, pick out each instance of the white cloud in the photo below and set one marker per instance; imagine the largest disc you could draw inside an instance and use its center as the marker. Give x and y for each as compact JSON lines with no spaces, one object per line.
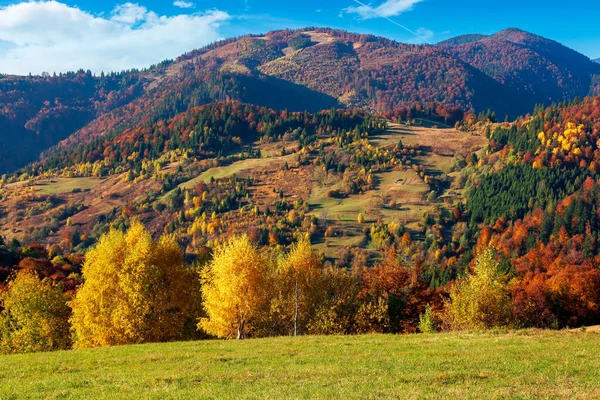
{"x":423,"y":35}
{"x":184,"y":4}
{"x":388,"y":8}
{"x":129,"y":13}
{"x":54,"y":37}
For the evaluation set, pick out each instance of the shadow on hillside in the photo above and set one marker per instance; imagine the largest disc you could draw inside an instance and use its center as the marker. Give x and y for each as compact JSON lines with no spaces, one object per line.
{"x":278,"y":94}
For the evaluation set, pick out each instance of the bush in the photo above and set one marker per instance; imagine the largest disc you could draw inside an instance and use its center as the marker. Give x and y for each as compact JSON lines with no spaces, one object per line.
{"x":35,"y":316}
{"x":427,"y":323}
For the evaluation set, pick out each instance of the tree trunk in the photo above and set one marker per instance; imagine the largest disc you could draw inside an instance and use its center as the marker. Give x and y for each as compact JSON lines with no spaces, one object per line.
{"x":241,"y":334}
{"x":296,"y":313}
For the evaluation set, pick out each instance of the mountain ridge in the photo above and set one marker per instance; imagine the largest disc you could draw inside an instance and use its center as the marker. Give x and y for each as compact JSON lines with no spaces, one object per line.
{"x":304,"y":69}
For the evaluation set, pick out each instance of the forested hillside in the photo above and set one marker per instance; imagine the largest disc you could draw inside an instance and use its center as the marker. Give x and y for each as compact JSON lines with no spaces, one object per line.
{"x":299,"y":70}
{"x":304,"y":182}
{"x":397,"y":224}
{"x":538,"y":69}
{"x":36,"y":112}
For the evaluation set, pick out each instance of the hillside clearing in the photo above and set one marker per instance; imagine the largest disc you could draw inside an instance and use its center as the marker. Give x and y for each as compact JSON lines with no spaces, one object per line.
{"x":59,"y":185}
{"x":234,"y":168}
{"x":526,"y":364}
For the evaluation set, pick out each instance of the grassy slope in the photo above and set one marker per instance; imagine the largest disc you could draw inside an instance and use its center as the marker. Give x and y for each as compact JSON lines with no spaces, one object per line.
{"x":516,"y":365}
{"x":59,"y":185}
{"x":401,"y":186}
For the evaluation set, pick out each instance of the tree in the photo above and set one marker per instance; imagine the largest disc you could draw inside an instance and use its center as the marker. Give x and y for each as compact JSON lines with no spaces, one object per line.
{"x":300,"y":288}
{"x":427,"y":323}
{"x":234,"y":289}
{"x":135,"y":290}
{"x":361,"y":218}
{"x":35,"y":315}
{"x":480,"y":300}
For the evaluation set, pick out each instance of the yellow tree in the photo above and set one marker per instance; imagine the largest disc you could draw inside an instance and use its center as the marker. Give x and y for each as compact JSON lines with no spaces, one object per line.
{"x":480,"y":300}
{"x":234,"y":289}
{"x":361,"y":218}
{"x":135,"y":290}
{"x":299,"y":289}
{"x":35,"y":316}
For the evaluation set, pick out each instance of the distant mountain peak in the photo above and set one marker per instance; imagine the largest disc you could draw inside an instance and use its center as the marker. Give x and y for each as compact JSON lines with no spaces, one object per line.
{"x":514,"y":30}
{"x":463,"y":39}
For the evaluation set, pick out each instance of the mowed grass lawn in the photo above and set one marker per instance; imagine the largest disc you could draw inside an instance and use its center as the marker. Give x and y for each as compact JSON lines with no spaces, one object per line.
{"x":523,"y":365}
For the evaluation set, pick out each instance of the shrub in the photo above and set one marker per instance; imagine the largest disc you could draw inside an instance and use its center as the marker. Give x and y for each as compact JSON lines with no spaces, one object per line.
{"x":427,"y":323}
{"x":35,"y":316}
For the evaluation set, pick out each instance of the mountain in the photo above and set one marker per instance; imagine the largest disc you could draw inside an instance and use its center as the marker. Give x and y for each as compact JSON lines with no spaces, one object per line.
{"x":38,"y":111}
{"x":597,"y":60}
{"x":308,"y":69}
{"x":462,"y":39}
{"x":536,"y":69}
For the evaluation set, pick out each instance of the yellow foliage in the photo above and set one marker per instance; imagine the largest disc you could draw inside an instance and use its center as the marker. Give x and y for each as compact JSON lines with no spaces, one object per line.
{"x":234,"y":289}
{"x":135,"y":290}
{"x":335,"y":315}
{"x":481,"y":300}
{"x":361,"y":218}
{"x":299,"y":286}
{"x":35,"y":316}
{"x":542,"y":137}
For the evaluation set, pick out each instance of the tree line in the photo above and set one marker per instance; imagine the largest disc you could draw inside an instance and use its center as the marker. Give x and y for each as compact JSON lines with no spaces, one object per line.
{"x":136,"y":290}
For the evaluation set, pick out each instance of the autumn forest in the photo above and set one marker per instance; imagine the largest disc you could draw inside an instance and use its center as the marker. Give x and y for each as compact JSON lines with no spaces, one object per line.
{"x":302,"y":182}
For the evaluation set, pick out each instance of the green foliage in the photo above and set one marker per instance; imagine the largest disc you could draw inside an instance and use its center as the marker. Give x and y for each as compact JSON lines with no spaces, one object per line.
{"x":209,"y":131}
{"x":519,"y":189}
{"x":427,"y":323}
{"x":300,"y":41}
{"x":480,"y":300}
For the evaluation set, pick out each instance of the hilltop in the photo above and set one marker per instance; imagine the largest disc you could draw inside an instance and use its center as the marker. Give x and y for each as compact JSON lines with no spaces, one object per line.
{"x":538,"y":69}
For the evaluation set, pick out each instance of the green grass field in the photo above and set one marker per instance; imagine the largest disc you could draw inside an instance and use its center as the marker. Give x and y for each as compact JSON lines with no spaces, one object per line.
{"x":522,"y":365}
{"x":60,"y":185}
{"x":234,"y":168}
{"x":65,"y":185}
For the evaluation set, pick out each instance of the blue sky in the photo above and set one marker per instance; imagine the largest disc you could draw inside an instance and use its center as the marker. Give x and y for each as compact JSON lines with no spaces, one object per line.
{"x":50,"y":36}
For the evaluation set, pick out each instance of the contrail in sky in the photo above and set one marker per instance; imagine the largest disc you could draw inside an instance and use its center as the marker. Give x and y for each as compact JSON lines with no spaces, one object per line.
{"x":395,"y":23}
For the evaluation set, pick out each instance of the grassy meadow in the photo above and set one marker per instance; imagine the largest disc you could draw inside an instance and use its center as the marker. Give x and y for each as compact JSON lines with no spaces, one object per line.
{"x":521,"y":365}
